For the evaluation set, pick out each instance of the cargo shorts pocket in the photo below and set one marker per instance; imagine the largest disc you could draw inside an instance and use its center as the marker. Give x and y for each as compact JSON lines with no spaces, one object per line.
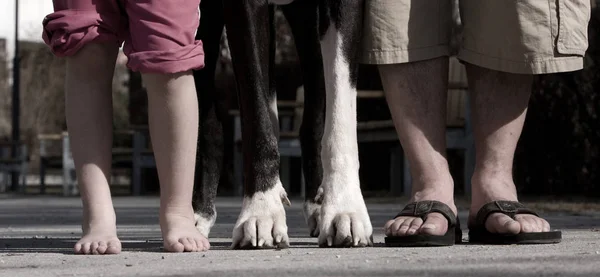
{"x":571,"y":26}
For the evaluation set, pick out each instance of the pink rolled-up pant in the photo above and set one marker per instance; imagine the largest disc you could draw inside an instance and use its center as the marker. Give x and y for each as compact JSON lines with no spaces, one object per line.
{"x":158,"y":35}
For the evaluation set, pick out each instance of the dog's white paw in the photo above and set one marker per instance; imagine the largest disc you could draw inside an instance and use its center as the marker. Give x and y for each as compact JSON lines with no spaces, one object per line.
{"x":344,"y":220}
{"x":261,"y":223}
{"x":205,"y":222}
{"x":312,"y":213}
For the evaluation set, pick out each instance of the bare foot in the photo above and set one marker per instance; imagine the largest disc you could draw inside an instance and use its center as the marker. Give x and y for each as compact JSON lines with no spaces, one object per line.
{"x":179,"y":231}
{"x":99,"y":236}
{"x":436,"y":224}
{"x":492,"y":188}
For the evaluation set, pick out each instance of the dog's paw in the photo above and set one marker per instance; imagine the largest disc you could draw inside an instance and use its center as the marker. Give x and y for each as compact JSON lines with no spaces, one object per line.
{"x":261,"y":223}
{"x":312,"y":213}
{"x":344,"y":220}
{"x":204,"y":222}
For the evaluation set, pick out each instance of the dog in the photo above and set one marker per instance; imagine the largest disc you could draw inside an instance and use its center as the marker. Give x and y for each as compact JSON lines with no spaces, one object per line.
{"x":327,"y":35}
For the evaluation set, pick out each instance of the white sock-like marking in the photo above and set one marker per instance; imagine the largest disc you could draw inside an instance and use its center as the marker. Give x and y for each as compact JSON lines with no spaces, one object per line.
{"x":205,"y":223}
{"x":343,"y":212}
{"x":339,"y":145}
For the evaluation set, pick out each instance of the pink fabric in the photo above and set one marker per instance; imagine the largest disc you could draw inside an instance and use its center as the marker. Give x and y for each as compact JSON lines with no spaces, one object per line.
{"x":158,"y":34}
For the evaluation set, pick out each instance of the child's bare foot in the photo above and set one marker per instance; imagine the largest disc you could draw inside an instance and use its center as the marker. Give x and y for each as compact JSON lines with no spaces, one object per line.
{"x":99,"y":237}
{"x":179,"y":231}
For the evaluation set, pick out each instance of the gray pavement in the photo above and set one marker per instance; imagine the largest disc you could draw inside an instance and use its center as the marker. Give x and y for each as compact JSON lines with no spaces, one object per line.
{"x":37,"y":233}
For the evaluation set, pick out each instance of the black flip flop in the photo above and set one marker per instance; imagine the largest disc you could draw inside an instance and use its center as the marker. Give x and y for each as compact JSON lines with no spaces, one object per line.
{"x":479,"y":234}
{"x":422,"y":209}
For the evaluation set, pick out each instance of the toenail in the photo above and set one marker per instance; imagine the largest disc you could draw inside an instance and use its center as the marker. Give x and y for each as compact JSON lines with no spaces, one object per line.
{"x":429,"y":226}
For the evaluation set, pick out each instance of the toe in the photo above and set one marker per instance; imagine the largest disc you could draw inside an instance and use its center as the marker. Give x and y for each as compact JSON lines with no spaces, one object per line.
{"x":436,"y":224}
{"x":387,"y":228}
{"x":197,"y":244}
{"x":203,"y":244}
{"x":94,"y":248}
{"x":237,"y":237}
{"x":313,"y":225}
{"x":343,"y":236}
{"x":535,"y":224}
{"x":404,"y":227}
{"x":85,"y":249}
{"x":250,"y":237}
{"x":192,"y":242}
{"x":265,"y":238}
{"x":175,"y":246}
{"x":414,"y":226}
{"x":529,"y":224}
{"x":102,"y":247}
{"x":546,"y":226}
{"x":113,"y":247}
{"x":326,"y":234}
{"x":502,"y":224}
{"x":187,"y":246}
{"x":540,"y":224}
{"x":78,"y":248}
{"x":396,"y":224}
{"x":358,"y":233}
{"x":280,"y":236}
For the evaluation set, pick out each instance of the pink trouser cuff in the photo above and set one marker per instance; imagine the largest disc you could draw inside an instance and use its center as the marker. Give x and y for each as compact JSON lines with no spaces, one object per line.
{"x":177,"y":60}
{"x":67,"y":31}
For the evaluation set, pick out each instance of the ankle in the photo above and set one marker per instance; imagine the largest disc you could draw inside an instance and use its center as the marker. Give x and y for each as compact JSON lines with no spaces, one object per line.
{"x":492,"y":187}
{"x":99,"y":215}
{"x":93,"y":224}
{"x":440,"y":186}
{"x":176,"y":210}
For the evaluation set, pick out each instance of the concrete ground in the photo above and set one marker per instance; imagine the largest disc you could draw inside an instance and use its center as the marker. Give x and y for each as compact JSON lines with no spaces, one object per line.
{"x":37,"y":235}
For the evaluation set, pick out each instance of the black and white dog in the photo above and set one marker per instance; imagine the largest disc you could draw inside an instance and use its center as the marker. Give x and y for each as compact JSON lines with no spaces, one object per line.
{"x":327,"y":35}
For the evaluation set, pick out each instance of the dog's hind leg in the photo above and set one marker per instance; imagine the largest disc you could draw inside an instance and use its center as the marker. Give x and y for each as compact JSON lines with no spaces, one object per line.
{"x":250,"y":30}
{"x":344,"y":217}
{"x":303,"y":21}
{"x":210,"y":141}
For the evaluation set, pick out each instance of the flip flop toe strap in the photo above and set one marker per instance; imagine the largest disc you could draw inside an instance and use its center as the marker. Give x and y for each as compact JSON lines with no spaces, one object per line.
{"x":423,"y":208}
{"x":509,"y":208}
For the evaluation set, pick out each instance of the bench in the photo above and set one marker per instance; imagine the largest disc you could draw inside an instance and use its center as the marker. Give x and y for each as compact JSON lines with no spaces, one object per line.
{"x":135,"y":158}
{"x":10,"y":165}
{"x":142,"y":158}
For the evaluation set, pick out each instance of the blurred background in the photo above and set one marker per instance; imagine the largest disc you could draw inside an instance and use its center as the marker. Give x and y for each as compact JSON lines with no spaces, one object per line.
{"x":558,"y":155}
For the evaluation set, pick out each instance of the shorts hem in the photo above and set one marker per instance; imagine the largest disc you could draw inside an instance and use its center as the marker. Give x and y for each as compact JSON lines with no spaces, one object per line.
{"x":404,"y":55}
{"x":66,"y":32}
{"x":541,"y":66}
{"x":186,"y":58}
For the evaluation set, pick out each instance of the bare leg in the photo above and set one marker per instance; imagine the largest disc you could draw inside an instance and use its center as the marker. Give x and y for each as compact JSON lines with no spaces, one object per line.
{"x":173,"y":118}
{"x":89,"y":121}
{"x":416,"y":94}
{"x":499,"y":104}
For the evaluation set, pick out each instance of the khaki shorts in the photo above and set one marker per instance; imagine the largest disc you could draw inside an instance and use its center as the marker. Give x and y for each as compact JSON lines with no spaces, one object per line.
{"x":516,"y":36}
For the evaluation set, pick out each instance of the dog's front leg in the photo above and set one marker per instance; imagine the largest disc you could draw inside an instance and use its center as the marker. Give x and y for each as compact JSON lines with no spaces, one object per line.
{"x":210,"y":142}
{"x":303,"y":21}
{"x":344,"y":217}
{"x":262,"y":222}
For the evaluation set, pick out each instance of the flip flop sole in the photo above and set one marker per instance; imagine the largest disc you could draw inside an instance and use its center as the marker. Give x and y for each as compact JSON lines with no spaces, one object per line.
{"x":448,"y":239}
{"x":484,"y":237}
